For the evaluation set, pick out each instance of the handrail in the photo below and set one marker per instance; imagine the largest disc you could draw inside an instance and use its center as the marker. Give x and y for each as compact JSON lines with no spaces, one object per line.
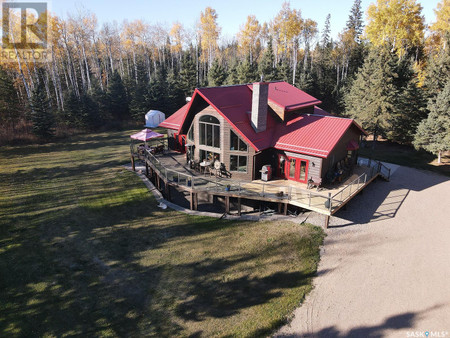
{"x":283,"y":192}
{"x":349,"y":186}
{"x":262,"y":189}
{"x":376,"y":165}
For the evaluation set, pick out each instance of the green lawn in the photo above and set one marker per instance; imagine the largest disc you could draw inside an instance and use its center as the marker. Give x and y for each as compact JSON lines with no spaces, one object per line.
{"x":85,"y":251}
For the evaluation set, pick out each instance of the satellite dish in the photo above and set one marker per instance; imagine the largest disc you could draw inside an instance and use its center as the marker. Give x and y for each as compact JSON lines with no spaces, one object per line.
{"x":217,"y":165}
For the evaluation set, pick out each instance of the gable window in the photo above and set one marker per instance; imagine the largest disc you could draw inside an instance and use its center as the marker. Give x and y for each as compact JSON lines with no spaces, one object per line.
{"x":209,"y":131}
{"x":236,"y":143}
{"x":238,"y":163}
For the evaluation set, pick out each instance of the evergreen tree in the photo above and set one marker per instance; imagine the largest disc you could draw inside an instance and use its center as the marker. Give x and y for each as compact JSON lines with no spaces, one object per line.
{"x":411,"y":103}
{"x":437,"y":73}
{"x":247,"y":72}
{"x":71,"y":110}
{"x":188,"y":75}
{"x":82,"y":112}
{"x":117,"y":98}
{"x":157,"y":91}
{"x":326,"y":32}
{"x":9,"y":103}
{"x":175,"y":96}
{"x":283,"y":71}
{"x":433,"y":133}
{"x":138,"y":105}
{"x":101,"y":100}
{"x":354,"y":27}
{"x":89,"y":112}
{"x":216,"y":74}
{"x":373,"y":97}
{"x":266,"y":66}
{"x":355,"y":20}
{"x":41,"y":117}
{"x":232,"y":77}
{"x":305,"y":82}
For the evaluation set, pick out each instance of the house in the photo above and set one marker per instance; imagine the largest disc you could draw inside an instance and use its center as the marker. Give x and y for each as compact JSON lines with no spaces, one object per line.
{"x":251,"y":125}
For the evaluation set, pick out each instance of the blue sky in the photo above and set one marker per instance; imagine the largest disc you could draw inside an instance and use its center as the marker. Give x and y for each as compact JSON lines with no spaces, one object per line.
{"x":231,"y":13}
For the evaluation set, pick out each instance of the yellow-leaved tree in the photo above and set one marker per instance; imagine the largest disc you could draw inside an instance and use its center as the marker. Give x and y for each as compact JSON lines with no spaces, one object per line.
{"x":209,"y":32}
{"x":249,"y":37}
{"x":397,"y":23}
{"x":177,"y":36}
{"x":441,"y":28}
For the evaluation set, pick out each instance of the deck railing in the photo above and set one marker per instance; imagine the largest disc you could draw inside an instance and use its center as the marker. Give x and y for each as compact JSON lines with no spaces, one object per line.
{"x":375,"y":167}
{"x":242,"y":188}
{"x":284,"y":193}
{"x":345,"y":193}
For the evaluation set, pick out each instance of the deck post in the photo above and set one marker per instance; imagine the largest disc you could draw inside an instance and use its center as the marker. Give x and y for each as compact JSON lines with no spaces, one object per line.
{"x":146,"y":168}
{"x":239,"y":206}
{"x":227,"y":204}
{"x":285,"y":209}
{"x":132,"y":163}
{"x":327,"y":221}
{"x":167,"y":190}
{"x":196,"y":201}
{"x":192,"y":201}
{"x":279,"y":207}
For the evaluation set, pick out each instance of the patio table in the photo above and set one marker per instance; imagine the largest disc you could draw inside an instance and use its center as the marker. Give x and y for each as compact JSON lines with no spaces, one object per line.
{"x":204,"y":165}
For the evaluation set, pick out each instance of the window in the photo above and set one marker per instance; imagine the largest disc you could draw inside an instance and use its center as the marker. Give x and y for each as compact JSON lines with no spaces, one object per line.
{"x":238,"y":163}
{"x":209,"y":131}
{"x":236,"y":143}
{"x":209,"y":156}
{"x":209,"y":119}
{"x":303,"y":165}
{"x":292,"y":168}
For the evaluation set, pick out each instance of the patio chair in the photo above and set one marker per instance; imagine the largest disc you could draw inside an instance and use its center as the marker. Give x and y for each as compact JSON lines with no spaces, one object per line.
{"x":195,"y":165}
{"x":223,"y":171}
{"x":314,"y":182}
{"x":209,"y":169}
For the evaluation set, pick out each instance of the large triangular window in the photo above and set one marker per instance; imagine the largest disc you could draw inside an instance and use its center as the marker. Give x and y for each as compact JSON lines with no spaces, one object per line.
{"x":236,"y":143}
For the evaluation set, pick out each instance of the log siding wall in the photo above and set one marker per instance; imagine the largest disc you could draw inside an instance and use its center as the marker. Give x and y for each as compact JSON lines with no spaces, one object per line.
{"x":314,"y":170}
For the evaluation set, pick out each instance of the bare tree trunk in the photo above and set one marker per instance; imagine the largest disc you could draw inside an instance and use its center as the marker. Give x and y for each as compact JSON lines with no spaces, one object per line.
{"x":87,"y":67}
{"x":294,"y":66}
{"x":135,"y":67}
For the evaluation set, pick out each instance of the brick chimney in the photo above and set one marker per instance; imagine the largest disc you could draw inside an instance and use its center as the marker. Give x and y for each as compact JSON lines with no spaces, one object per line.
{"x":259,"y":106}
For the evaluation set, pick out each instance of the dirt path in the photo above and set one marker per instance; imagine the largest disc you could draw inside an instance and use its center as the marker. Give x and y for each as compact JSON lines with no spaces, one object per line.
{"x":385,"y":267}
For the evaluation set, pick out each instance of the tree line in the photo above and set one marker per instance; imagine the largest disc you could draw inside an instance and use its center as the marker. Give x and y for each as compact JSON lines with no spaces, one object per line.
{"x":389,"y":72}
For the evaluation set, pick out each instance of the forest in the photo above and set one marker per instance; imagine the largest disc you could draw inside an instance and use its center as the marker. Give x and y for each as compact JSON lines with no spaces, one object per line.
{"x":387,"y":69}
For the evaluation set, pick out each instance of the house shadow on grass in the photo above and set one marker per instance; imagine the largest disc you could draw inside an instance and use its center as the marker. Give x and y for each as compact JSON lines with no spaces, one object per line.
{"x":382,"y":200}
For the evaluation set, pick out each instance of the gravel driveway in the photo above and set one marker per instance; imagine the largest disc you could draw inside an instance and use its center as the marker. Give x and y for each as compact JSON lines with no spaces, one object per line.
{"x":385,"y":266}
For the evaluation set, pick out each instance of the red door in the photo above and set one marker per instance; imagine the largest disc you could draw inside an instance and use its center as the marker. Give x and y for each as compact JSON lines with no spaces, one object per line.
{"x":296,"y":169}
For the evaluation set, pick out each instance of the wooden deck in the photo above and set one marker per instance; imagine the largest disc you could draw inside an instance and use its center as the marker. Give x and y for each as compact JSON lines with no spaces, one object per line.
{"x":171,"y":169}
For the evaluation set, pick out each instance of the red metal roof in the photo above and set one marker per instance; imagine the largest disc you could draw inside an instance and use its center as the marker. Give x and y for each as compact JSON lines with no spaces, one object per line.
{"x":289,"y":97}
{"x":312,"y":134}
{"x":175,"y":120}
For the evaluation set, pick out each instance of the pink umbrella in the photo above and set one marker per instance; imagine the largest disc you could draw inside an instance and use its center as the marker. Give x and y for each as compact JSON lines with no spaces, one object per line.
{"x":145,"y":135}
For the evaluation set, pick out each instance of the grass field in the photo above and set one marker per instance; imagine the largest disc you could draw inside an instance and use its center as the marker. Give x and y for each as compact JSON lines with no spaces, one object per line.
{"x":85,"y":251}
